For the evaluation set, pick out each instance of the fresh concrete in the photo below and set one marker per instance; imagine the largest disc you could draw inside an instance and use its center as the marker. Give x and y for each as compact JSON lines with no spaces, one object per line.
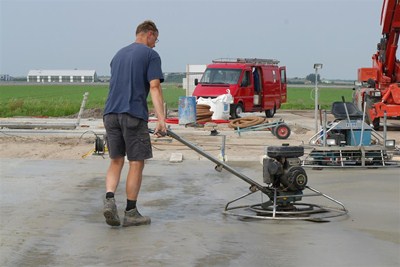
{"x":51,"y":215}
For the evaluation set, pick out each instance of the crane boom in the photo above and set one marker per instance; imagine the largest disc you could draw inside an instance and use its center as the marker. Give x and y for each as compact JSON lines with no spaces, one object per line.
{"x":390,"y":21}
{"x":379,"y":91}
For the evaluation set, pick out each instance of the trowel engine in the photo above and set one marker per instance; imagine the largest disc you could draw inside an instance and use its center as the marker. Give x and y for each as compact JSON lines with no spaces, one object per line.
{"x":282,"y":171}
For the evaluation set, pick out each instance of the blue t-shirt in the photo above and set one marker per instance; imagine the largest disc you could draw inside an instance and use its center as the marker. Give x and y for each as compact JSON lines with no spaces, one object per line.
{"x":132,"y":69}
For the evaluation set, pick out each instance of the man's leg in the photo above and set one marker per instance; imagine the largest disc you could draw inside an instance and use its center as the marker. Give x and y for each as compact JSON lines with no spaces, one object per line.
{"x":114,"y":174}
{"x":112,"y":180}
{"x":133,"y":183}
{"x":134,"y":179}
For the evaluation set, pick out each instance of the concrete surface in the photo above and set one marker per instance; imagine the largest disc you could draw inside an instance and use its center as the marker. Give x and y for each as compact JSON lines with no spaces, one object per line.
{"x":51,"y":215}
{"x":51,"y":205}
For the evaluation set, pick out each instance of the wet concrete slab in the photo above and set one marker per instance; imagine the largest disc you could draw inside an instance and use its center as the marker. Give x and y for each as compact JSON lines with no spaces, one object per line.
{"x":51,"y":215}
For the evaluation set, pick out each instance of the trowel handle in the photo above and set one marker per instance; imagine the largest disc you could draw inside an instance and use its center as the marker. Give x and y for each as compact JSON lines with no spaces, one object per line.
{"x":151,"y":131}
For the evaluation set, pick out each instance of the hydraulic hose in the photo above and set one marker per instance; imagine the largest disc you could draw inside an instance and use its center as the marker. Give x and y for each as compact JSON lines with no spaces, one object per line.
{"x":246,"y":122}
{"x":203,"y":113}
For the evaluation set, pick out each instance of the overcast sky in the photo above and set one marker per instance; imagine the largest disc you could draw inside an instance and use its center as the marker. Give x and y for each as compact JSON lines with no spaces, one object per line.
{"x":85,"y":34}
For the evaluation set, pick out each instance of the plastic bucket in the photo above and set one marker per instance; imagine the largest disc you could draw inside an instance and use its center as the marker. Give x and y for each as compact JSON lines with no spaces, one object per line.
{"x":187,"y":109}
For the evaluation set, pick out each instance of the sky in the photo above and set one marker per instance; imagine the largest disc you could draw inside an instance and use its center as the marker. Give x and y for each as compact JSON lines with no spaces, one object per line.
{"x":85,"y":34}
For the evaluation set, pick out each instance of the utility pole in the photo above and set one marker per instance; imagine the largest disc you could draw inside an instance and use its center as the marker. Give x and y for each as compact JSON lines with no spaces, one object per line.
{"x":316,"y":107}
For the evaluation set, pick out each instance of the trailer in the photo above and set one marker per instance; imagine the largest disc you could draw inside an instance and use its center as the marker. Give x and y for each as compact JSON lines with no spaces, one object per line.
{"x":247,"y":124}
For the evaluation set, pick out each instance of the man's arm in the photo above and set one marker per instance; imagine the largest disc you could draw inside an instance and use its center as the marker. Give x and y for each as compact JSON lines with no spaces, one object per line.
{"x":158,"y":103}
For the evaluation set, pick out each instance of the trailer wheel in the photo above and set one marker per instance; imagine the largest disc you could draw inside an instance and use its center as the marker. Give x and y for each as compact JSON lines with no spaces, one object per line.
{"x":282,"y":131}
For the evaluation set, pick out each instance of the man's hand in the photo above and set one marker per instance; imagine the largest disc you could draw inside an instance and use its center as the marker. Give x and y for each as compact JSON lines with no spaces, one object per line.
{"x":161,"y":129}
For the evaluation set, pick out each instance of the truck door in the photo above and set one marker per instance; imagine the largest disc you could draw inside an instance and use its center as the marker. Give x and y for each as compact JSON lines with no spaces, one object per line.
{"x":258,"y":92}
{"x":283,"y":84}
{"x":246,"y":91}
{"x":269,"y":88}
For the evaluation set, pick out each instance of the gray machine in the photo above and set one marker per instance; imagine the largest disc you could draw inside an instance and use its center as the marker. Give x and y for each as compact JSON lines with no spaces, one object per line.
{"x":349,"y":142}
{"x":285,"y":186}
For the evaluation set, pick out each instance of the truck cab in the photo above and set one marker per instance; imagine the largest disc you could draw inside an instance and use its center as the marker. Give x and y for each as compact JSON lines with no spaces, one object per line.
{"x":257,"y":85}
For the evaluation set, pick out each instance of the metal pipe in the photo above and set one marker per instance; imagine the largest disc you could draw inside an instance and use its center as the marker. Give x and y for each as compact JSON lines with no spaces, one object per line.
{"x":316,"y":101}
{"x":218,"y":162}
{"x":325,"y":133}
{"x":328,"y":197}
{"x":384,"y":128}
{"x":223,"y":147}
{"x":85,"y":97}
{"x":363,"y":121}
{"x":348,"y":120}
{"x":274,"y":205}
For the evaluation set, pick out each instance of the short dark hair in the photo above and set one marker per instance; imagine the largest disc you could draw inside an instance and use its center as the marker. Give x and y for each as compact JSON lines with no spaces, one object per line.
{"x":146,"y":26}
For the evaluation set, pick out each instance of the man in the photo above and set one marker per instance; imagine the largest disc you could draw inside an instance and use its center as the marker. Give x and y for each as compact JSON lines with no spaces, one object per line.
{"x":135,"y":71}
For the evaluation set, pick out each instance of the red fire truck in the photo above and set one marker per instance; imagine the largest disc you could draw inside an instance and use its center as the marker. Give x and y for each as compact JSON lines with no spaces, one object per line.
{"x":255,"y":84}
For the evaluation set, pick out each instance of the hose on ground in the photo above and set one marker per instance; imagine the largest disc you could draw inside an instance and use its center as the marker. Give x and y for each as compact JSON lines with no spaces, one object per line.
{"x":203,"y":113}
{"x":246,"y":122}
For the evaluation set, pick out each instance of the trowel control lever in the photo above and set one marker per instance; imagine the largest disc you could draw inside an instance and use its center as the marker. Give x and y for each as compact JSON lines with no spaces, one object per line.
{"x":151,"y":131}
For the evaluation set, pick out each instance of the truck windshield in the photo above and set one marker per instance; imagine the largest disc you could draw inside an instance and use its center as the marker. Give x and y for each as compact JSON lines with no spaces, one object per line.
{"x":221,"y":76}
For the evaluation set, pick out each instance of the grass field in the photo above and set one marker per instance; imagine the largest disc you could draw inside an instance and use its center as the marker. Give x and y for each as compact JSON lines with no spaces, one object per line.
{"x":303,"y":97}
{"x":64,"y":100}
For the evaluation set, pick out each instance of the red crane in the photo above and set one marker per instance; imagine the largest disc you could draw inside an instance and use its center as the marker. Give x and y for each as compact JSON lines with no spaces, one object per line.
{"x":378,"y":88}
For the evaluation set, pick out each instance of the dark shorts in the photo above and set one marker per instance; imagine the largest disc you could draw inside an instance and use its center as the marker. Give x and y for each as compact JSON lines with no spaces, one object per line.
{"x":127,"y":135}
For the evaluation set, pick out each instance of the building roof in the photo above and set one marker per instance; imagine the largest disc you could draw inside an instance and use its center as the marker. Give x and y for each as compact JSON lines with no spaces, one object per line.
{"x":61,"y":73}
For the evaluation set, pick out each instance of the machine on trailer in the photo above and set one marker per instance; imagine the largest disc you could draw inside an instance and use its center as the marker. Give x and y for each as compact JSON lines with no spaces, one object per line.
{"x":285,"y":187}
{"x":349,"y":142}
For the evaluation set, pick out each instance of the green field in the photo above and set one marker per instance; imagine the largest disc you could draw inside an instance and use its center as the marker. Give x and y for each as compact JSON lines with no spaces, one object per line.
{"x":64,"y":100}
{"x":303,"y":98}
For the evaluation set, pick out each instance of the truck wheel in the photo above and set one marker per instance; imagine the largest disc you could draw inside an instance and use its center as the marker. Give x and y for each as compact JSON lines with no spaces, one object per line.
{"x":270,"y":113}
{"x":282,"y":131}
{"x":236,"y":110}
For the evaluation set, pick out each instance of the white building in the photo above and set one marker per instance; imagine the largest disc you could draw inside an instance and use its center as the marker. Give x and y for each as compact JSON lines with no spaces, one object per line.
{"x":62,"y":76}
{"x":5,"y":77}
{"x":192,"y":72}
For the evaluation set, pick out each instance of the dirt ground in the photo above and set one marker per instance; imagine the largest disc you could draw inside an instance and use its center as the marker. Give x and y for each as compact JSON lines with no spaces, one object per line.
{"x":80,"y":143}
{"x":50,"y":147}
